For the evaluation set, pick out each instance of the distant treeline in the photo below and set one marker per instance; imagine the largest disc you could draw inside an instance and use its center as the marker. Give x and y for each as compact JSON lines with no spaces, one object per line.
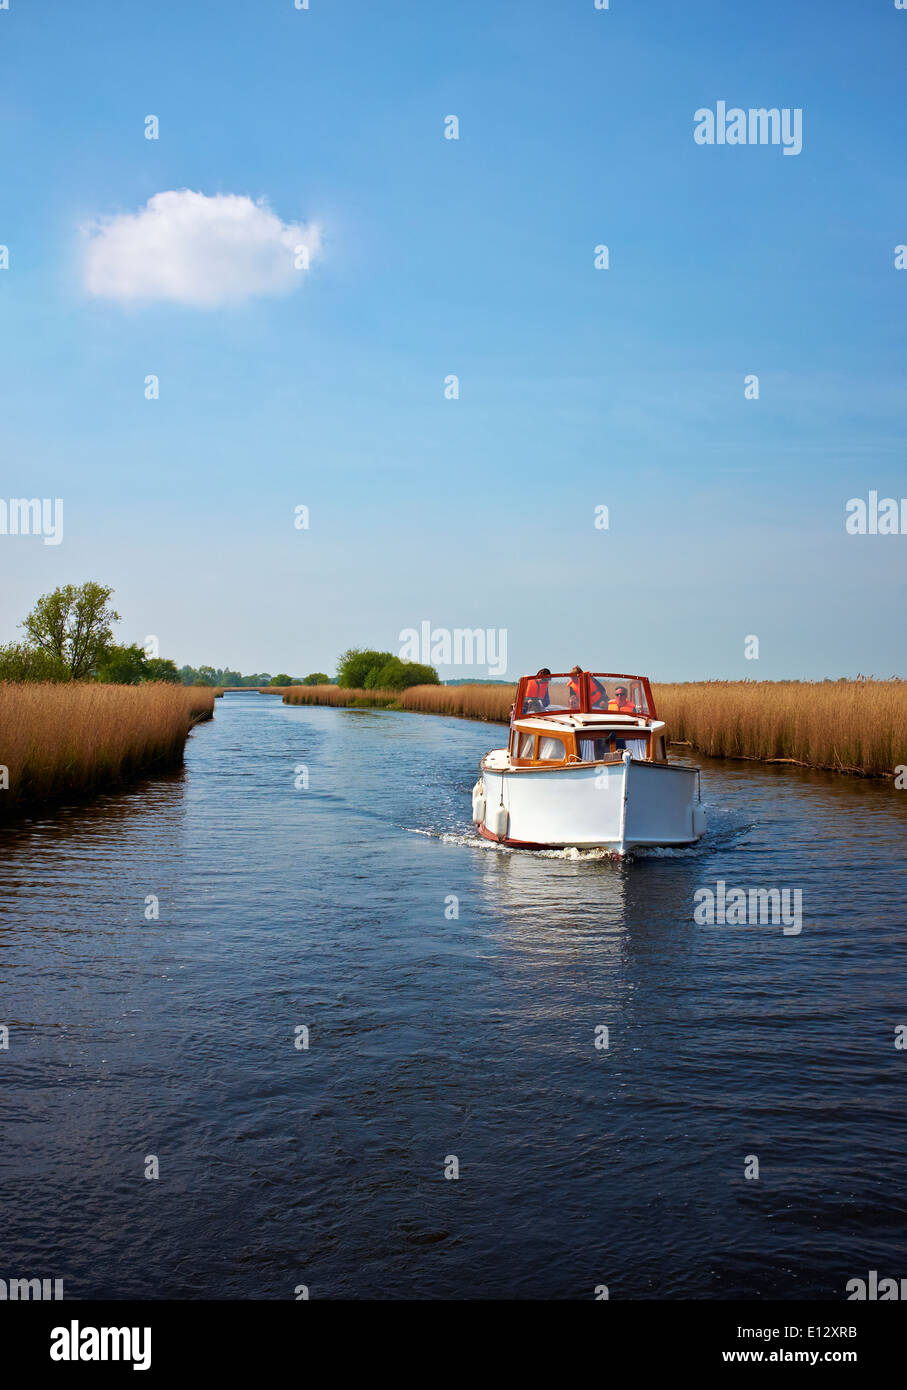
{"x":223,"y":676}
{"x":359,"y":668}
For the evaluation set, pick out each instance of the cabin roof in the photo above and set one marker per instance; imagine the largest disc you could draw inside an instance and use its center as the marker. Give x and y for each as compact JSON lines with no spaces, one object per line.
{"x":557,"y":723}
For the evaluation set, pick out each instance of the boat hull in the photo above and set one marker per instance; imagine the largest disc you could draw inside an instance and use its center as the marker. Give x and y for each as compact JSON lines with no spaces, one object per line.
{"x":618,"y":806}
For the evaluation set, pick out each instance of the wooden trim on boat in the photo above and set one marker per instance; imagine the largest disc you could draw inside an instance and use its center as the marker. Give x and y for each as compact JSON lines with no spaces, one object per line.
{"x":571,"y":739}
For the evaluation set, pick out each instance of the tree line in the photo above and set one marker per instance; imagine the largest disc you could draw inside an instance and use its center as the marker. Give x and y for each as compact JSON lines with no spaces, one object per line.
{"x":217,"y":675}
{"x":68,"y":636}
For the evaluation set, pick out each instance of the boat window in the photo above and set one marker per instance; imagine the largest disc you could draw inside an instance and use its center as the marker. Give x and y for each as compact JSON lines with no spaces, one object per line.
{"x":594,"y":750}
{"x":552,"y":750}
{"x":526,"y":745}
{"x":636,"y":747}
{"x":542,"y":694}
{"x":614,"y":694}
{"x":618,"y":693}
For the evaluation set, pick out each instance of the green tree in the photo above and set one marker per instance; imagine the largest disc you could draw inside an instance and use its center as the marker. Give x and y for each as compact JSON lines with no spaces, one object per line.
{"x":384,"y":675}
{"x":282,"y":679}
{"x":119,"y":665}
{"x":355,"y":666}
{"x":400,"y":675}
{"x":317,"y":678}
{"x":74,"y":626}
{"x":159,"y":668}
{"x":417,"y":674}
{"x":19,"y":662}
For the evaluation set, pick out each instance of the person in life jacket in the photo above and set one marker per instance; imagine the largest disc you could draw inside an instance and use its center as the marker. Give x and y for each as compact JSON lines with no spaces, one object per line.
{"x":537,"y":691}
{"x":621,"y":701}
{"x":575,"y":688}
{"x":599,"y":694}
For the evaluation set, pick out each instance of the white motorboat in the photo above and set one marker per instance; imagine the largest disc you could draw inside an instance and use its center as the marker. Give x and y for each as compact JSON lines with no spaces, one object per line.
{"x":586,"y":766}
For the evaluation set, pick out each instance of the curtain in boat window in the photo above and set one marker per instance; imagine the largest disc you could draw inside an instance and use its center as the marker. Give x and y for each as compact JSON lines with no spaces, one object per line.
{"x":587,"y":750}
{"x":636,"y":747}
{"x":551,"y":750}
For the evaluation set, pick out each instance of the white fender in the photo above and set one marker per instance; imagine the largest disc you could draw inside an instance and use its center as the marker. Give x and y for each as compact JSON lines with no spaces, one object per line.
{"x":698,"y":821}
{"x":478,"y":803}
{"x":498,"y":821}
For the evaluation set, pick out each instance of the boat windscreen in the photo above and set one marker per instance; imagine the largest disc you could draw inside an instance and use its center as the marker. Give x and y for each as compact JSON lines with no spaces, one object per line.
{"x":542,"y":695}
{"x":613,"y":694}
{"x":618,"y":694}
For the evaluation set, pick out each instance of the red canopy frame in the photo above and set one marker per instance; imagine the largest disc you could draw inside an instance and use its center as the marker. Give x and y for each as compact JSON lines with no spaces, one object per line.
{"x":585,"y":705}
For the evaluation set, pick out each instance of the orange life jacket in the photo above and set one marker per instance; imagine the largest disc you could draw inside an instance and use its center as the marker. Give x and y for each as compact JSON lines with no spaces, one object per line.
{"x":621,"y":706}
{"x":537,"y":688}
{"x":599,"y":694}
{"x":576,"y":696}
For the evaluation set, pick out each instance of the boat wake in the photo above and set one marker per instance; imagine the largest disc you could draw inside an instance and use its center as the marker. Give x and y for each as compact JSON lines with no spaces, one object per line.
{"x":572,"y":853}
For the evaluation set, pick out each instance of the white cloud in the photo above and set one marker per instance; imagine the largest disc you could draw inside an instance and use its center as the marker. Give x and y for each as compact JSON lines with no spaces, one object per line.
{"x":191,"y":249}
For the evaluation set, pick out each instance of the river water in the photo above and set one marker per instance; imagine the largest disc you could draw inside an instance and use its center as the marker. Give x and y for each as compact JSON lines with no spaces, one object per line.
{"x":434,"y":1036}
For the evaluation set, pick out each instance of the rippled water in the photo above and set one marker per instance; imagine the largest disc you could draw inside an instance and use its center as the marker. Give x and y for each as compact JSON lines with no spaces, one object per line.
{"x":433,"y":1036}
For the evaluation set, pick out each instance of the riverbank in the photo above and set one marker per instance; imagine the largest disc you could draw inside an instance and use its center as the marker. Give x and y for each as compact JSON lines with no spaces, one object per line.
{"x":857,"y":727}
{"x":61,"y":740}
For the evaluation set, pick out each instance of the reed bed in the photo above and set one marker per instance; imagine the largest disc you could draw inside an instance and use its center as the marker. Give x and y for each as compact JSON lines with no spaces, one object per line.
{"x":489,"y":702}
{"x":339,"y":696}
{"x":68,"y":740}
{"x":855,"y":726}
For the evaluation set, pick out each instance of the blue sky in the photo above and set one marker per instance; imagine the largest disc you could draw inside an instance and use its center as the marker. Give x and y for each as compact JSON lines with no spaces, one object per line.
{"x":578,"y":387}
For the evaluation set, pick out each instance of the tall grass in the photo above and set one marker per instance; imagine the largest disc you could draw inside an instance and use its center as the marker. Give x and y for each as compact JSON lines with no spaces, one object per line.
{"x":70,"y":739}
{"x":846,"y":726}
{"x":489,"y":702}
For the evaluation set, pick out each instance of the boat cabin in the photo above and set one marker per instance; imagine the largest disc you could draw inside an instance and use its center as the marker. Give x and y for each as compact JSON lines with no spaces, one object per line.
{"x":566,"y":720}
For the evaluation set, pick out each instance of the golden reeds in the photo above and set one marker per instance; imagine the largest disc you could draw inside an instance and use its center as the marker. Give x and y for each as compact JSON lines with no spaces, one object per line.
{"x":489,"y":702}
{"x":68,"y":739}
{"x":846,"y":726}
{"x":338,"y":695}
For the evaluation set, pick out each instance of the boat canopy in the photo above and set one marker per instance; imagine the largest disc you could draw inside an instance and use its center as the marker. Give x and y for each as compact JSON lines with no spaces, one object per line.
{"x":590,"y":692}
